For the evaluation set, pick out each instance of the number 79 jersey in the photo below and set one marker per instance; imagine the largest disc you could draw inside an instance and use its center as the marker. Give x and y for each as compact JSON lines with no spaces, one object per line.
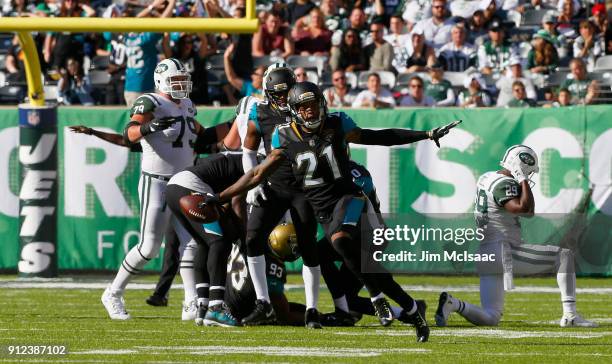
{"x":492,"y":192}
{"x":320,"y":160}
{"x":168,"y":151}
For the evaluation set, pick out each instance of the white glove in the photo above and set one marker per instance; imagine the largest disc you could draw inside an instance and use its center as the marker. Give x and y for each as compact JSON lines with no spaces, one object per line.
{"x":252,"y":197}
{"x":517,"y":172}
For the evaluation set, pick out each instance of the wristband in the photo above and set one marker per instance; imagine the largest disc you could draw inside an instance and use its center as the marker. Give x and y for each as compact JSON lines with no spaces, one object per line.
{"x":145,"y":129}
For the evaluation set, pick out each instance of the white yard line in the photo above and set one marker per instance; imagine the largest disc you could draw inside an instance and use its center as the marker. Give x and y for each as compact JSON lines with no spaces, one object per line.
{"x":479,"y":332}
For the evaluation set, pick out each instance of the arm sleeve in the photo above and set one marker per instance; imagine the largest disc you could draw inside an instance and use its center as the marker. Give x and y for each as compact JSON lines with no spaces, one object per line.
{"x":388,"y":137}
{"x":450,"y":98}
{"x":249,"y":159}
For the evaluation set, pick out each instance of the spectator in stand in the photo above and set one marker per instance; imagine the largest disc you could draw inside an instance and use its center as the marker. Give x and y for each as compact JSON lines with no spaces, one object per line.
{"x":349,"y":55}
{"x":422,"y":55}
{"x":566,"y":21}
{"x":519,"y":96}
{"x":387,"y":8}
{"x":561,"y":43}
{"x":15,"y":68}
{"x":464,"y":8}
{"x":297,"y":9}
{"x":494,"y":55}
{"x":457,"y":55}
{"x":599,"y":18}
{"x":272,"y":38}
{"x":310,"y":35}
{"x":335,"y":17}
{"x":379,"y":53}
{"x":400,"y":41}
{"x":439,"y":89}
{"x":340,"y":94}
{"x":19,"y":8}
{"x":245,"y":87}
{"x":416,"y":96}
{"x":565,"y":97}
{"x":415,"y":11}
{"x":114,"y":48}
{"x":194,"y":60}
{"x":357,"y":21}
{"x":74,"y":87}
{"x":437,"y":29}
{"x":300,"y":74}
{"x":543,"y":57}
{"x":474,"y":94}
{"x":589,"y":45}
{"x":477,"y":28}
{"x":513,"y":74}
{"x":59,"y":47}
{"x":375,"y":96}
{"x":582,"y":88}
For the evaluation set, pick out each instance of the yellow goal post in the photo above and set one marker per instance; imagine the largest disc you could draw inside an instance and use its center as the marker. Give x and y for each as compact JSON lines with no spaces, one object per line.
{"x":23,"y":27}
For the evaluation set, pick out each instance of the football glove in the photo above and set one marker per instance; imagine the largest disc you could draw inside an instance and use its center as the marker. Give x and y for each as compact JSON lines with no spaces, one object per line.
{"x":209,"y":199}
{"x":156,"y":125}
{"x":439,"y":132}
{"x":252,"y":197}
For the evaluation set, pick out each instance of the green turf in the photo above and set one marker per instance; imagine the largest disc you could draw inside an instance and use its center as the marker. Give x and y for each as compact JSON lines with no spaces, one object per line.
{"x":76,"y":318}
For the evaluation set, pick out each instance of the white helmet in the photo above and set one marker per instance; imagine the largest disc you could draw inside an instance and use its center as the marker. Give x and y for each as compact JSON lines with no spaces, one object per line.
{"x":165,"y":76}
{"x":521,"y":157}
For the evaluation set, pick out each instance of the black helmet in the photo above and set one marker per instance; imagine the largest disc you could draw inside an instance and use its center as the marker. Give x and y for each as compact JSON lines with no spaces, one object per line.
{"x":278,"y":80}
{"x":305,"y":92}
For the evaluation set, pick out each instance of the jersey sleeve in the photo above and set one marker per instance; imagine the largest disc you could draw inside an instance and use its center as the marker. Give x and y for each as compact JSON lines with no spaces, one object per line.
{"x":347,"y":122}
{"x":253,"y":117}
{"x":276,"y":276}
{"x":143,"y":105}
{"x":277,"y":141}
{"x":506,"y":190}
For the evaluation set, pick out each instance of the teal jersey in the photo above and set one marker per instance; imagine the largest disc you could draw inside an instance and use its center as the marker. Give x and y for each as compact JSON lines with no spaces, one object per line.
{"x":141,"y":61}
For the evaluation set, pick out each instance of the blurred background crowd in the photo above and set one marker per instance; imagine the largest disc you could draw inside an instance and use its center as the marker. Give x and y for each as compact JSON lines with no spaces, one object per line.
{"x":363,"y":53}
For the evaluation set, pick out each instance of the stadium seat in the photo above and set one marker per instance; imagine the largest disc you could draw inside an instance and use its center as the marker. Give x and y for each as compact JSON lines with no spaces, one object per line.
{"x":521,"y":34}
{"x":215,"y":61}
{"x":308,"y":62}
{"x":2,"y":79}
{"x":403,"y":79}
{"x":556,"y":78}
{"x":266,"y":61}
{"x":312,"y":76}
{"x":6,"y":39}
{"x":51,"y":93}
{"x":604,"y":78}
{"x":524,"y":48}
{"x":351,"y":79}
{"x":2,"y":61}
{"x":455,"y":78}
{"x":100,"y":62}
{"x":216,"y":77}
{"x":603,"y":63}
{"x":387,"y":79}
{"x":98,"y":77}
{"x":325,"y":80}
{"x":10,"y":94}
{"x":535,"y":16}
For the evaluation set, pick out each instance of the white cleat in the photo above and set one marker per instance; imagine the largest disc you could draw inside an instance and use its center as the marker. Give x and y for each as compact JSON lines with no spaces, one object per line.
{"x":575,"y":320}
{"x":115,"y":305}
{"x":445,"y":308}
{"x":190,"y":310}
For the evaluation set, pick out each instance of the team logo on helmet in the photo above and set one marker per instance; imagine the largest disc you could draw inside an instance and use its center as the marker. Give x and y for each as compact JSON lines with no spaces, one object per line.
{"x":161,"y":68}
{"x":280,"y":87}
{"x":527,"y":158}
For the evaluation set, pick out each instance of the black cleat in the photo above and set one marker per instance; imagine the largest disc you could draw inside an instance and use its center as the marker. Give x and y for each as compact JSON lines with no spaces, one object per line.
{"x":157,"y":301}
{"x":383,"y":311}
{"x":418,"y":320}
{"x":263,"y":314}
{"x":201,"y":314}
{"x":312,"y":319}
{"x":338,"y":318}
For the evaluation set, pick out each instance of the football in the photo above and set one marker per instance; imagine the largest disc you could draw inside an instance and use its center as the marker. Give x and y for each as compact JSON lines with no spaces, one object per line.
{"x":206,"y":214}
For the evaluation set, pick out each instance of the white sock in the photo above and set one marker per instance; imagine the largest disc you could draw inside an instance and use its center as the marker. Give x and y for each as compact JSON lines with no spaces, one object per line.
{"x":479,"y":316}
{"x":187,"y":271}
{"x":340,"y":303}
{"x":130,"y":266}
{"x":203,"y":301}
{"x":312,"y":278}
{"x":567,"y":286}
{"x":380,"y":295}
{"x":396,"y":311}
{"x":257,"y":269}
{"x":215,"y":302}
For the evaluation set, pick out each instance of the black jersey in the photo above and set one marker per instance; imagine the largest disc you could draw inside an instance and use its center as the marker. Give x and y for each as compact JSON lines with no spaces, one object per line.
{"x":363,"y":179}
{"x":239,"y":291}
{"x":320,"y":160}
{"x":266,"y":118}
{"x":219,"y":171}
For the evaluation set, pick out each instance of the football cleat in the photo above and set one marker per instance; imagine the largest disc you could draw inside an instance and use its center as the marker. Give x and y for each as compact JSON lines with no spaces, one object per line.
{"x":383,"y":311}
{"x":263,"y":314}
{"x":220,"y":315}
{"x":157,"y":301}
{"x":201,"y":314}
{"x":575,"y":320}
{"x":115,"y":305}
{"x":312,"y":319}
{"x":190,"y":310}
{"x":418,"y":320}
{"x":445,"y":308}
{"x":338,"y":318}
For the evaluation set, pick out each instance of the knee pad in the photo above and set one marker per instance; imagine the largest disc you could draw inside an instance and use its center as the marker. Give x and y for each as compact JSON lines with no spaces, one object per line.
{"x":255,"y":244}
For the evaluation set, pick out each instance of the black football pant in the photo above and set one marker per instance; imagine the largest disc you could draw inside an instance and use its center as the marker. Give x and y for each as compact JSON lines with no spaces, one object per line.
{"x":262,"y":220}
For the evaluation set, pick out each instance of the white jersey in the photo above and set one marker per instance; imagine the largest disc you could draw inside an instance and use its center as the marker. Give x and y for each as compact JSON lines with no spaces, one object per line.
{"x":492,"y":192}
{"x":242,"y":118}
{"x":168,"y":151}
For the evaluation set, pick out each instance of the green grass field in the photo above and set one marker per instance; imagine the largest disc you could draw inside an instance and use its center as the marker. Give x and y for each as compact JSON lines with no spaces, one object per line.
{"x":529,"y":329}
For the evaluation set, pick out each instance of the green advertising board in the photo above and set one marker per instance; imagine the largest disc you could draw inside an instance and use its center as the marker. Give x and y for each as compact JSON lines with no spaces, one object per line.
{"x":98,"y":202}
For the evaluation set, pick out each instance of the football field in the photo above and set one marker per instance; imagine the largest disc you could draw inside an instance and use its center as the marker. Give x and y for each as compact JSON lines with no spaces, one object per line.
{"x":68,"y":312}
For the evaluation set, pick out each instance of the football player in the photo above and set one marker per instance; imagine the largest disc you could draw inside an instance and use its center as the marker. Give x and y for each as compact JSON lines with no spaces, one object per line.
{"x":501,"y":198}
{"x":314,"y":142}
{"x":269,"y":201}
{"x":164,"y":124}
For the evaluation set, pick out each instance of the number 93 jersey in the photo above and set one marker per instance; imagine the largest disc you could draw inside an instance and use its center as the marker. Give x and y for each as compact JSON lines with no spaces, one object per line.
{"x":171,"y":150}
{"x":320,"y":160}
{"x":492,"y":192}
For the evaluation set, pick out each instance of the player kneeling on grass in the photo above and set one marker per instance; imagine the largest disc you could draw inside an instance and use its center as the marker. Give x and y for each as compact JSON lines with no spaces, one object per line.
{"x":501,"y":197}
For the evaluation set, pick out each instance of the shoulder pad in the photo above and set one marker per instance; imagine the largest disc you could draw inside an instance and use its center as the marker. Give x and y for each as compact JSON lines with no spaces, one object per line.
{"x":144,"y":104}
{"x":505,"y":189}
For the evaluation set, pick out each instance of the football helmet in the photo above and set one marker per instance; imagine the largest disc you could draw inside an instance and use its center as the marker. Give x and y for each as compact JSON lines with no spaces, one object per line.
{"x":277,"y":81}
{"x":305,"y":93}
{"x":521,"y":157}
{"x":283,"y":242}
{"x":172,"y":78}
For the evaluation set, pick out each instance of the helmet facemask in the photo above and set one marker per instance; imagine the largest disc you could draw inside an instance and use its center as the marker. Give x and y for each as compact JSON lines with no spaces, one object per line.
{"x":310,"y":112}
{"x":279,"y":98}
{"x":178,"y":86}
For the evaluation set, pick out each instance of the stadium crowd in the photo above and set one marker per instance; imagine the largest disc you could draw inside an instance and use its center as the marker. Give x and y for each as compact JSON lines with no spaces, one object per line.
{"x":363,"y":53}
